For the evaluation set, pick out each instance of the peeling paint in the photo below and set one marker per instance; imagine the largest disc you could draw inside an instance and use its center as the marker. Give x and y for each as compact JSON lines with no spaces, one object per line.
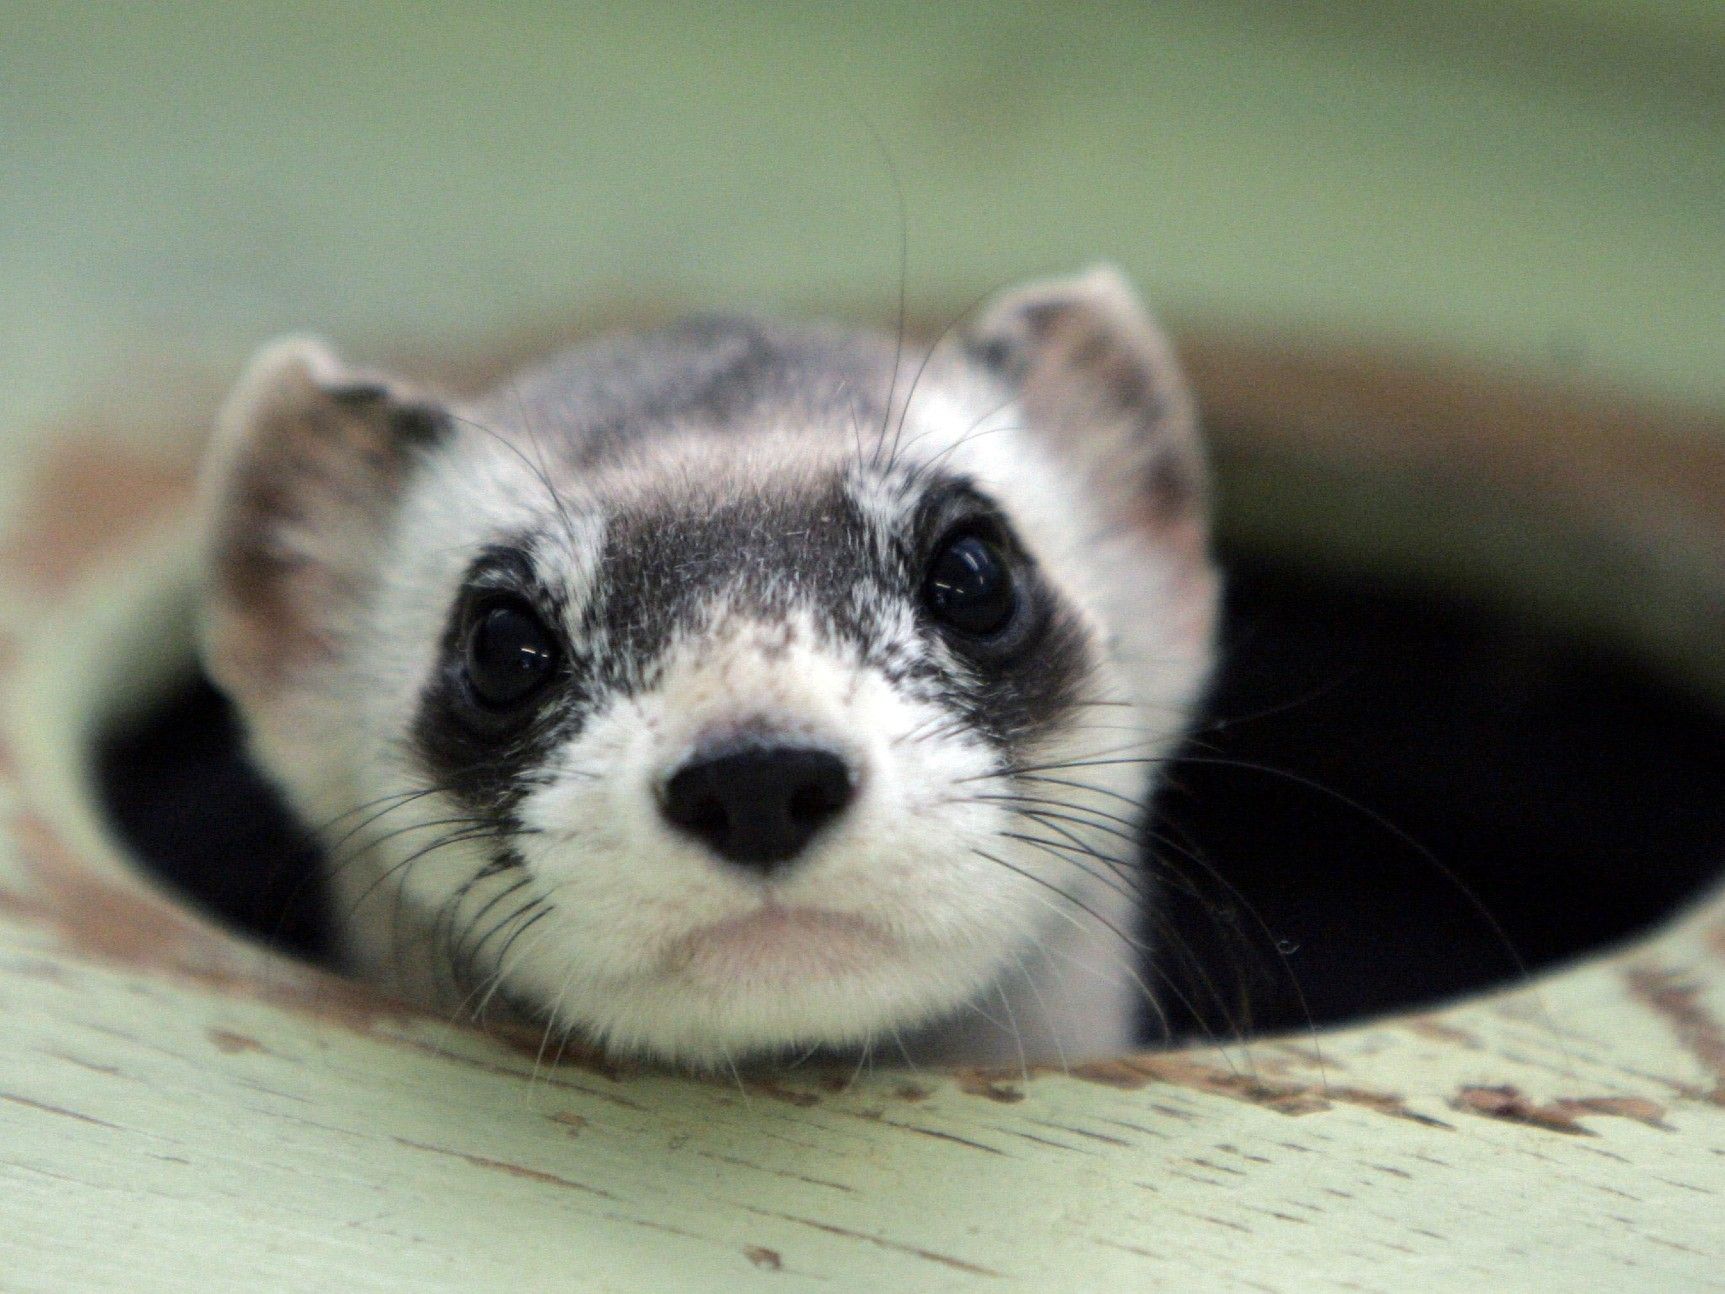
{"x":530,"y":1040}
{"x":1637,"y":1108}
{"x":230,"y":1043}
{"x":1383,"y":1103}
{"x":777,"y":1091}
{"x":1509,"y":1105}
{"x":574,"y":1123}
{"x":990,"y":1084}
{"x":1135,"y":1072}
{"x":1122,"y":1074}
{"x":1428,"y":1026}
{"x":1678,"y":999}
{"x":764,"y":1258}
{"x":1182,"y":1071}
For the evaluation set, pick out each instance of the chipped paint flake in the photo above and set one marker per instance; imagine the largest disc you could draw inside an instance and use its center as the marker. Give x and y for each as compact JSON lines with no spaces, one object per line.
{"x":1678,"y":999}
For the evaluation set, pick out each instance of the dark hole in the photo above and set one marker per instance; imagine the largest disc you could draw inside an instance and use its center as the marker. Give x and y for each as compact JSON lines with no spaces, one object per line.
{"x":1496,"y":797}
{"x":182,"y":792}
{"x":1569,"y":790}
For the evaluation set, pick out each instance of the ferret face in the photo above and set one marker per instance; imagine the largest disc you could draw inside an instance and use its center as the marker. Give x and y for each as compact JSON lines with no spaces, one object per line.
{"x":742,"y":726}
{"x":726,"y":692}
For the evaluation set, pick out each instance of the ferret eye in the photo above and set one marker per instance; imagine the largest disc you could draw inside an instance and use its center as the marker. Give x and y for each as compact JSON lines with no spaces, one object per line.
{"x":510,"y":654}
{"x":969,"y":585}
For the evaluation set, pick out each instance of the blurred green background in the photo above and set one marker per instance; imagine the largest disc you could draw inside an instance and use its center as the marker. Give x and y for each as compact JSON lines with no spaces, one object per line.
{"x":1539,"y":183}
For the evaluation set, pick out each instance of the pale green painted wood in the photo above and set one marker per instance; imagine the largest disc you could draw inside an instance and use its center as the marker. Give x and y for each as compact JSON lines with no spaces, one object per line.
{"x":1538,"y":184}
{"x":193,"y":1112}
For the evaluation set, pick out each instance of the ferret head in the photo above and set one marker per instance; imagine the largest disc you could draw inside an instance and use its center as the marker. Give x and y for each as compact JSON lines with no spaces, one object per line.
{"x":732,"y":689}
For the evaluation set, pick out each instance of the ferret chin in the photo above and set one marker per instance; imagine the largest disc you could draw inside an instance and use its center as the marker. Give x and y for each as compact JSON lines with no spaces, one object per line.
{"x":734,"y":689}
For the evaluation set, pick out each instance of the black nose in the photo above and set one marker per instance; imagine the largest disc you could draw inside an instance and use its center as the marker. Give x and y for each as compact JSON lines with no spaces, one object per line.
{"x":758,"y":804}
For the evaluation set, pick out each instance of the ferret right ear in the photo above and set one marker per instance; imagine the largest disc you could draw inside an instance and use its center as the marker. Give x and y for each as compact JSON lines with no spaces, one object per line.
{"x":305,"y":471}
{"x":1097,"y":379}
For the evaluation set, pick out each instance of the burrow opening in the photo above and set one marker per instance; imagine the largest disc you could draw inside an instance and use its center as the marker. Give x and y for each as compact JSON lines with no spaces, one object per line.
{"x":1394,"y":796}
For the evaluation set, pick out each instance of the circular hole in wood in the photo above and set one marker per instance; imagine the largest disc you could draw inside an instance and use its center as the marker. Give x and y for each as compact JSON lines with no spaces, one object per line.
{"x":1394,"y":796}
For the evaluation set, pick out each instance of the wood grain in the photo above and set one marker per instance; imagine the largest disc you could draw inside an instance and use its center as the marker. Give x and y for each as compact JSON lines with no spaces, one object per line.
{"x":178,"y":1108}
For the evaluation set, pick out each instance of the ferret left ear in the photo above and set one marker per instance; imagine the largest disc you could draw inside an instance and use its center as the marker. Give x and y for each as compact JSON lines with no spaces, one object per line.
{"x":298,"y":486}
{"x":1097,"y":376}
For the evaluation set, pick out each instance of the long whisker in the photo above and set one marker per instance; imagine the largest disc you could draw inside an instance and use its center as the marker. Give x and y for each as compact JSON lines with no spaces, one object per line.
{"x":1017,"y":1033}
{"x":1129,"y":941}
{"x":1063,"y":852}
{"x":1430,"y":859}
{"x":544,"y":468}
{"x":460,"y":955}
{"x":1050,"y":819}
{"x":443,"y":925}
{"x":902,"y":211}
{"x":1048,"y":1020}
{"x":539,"y":910}
{"x":934,"y":348}
{"x":537,"y":471}
{"x":1468,"y":894}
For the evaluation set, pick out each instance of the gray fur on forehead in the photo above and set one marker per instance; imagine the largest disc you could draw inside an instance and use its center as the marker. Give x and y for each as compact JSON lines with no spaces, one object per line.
{"x":712,"y":372}
{"x":764,"y":550}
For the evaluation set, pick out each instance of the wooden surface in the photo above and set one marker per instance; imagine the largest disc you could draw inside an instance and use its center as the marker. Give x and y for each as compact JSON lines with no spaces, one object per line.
{"x":178,"y":1107}
{"x":1534,"y":185}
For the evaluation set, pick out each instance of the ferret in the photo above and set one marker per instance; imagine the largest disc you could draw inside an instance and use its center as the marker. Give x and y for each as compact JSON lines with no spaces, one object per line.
{"x":736,"y":690}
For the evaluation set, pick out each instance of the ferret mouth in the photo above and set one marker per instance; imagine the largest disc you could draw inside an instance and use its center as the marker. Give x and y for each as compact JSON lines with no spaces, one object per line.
{"x":774,"y":942}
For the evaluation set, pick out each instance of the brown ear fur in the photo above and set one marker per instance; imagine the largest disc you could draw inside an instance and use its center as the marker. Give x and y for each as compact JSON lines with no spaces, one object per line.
{"x":298,"y":485}
{"x":1093,"y":370}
